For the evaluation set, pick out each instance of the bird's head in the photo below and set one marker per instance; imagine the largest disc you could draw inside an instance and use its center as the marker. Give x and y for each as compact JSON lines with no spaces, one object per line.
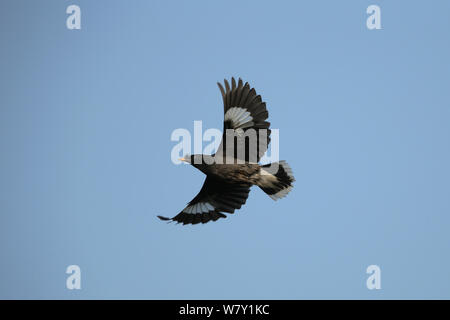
{"x":200,"y":161}
{"x":188,"y":159}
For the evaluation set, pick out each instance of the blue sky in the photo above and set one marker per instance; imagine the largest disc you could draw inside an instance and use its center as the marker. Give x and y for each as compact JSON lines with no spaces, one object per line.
{"x":86,"y":117}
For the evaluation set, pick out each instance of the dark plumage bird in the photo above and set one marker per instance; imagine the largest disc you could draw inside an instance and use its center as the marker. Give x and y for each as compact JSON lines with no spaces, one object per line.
{"x":234,"y":168}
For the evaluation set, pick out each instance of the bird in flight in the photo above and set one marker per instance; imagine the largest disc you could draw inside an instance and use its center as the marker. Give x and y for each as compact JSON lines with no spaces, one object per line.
{"x":234,"y":168}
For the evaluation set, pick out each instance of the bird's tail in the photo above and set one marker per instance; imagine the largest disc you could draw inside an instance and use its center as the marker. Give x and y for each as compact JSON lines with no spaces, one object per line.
{"x":276,"y":179}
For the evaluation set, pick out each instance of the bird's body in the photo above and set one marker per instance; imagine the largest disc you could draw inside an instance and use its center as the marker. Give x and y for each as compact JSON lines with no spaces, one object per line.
{"x":234,"y":168}
{"x":231,"y":173}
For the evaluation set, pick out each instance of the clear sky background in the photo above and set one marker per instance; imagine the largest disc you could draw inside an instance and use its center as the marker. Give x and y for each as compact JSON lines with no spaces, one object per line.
{"x":85,"y":123}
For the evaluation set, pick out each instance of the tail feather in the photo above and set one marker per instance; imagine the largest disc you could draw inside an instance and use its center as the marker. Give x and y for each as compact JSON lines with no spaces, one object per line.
{"x":276,"y":179}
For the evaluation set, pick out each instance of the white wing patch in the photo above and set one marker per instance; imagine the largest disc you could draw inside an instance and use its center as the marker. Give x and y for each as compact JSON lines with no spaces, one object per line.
{"x":239,"y":117}
{"x":201,"y":207}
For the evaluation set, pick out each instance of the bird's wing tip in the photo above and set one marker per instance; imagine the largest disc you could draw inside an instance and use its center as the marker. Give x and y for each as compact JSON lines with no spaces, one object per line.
{"x":164,"y":218}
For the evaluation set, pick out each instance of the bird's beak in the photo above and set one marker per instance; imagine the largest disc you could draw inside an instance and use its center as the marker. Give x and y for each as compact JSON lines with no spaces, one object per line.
{"x":183,"y":159}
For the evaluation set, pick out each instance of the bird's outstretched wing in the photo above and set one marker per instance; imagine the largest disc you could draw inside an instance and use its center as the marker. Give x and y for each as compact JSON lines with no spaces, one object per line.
{"x":243,"y":110}
{"x":214,"y":197}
